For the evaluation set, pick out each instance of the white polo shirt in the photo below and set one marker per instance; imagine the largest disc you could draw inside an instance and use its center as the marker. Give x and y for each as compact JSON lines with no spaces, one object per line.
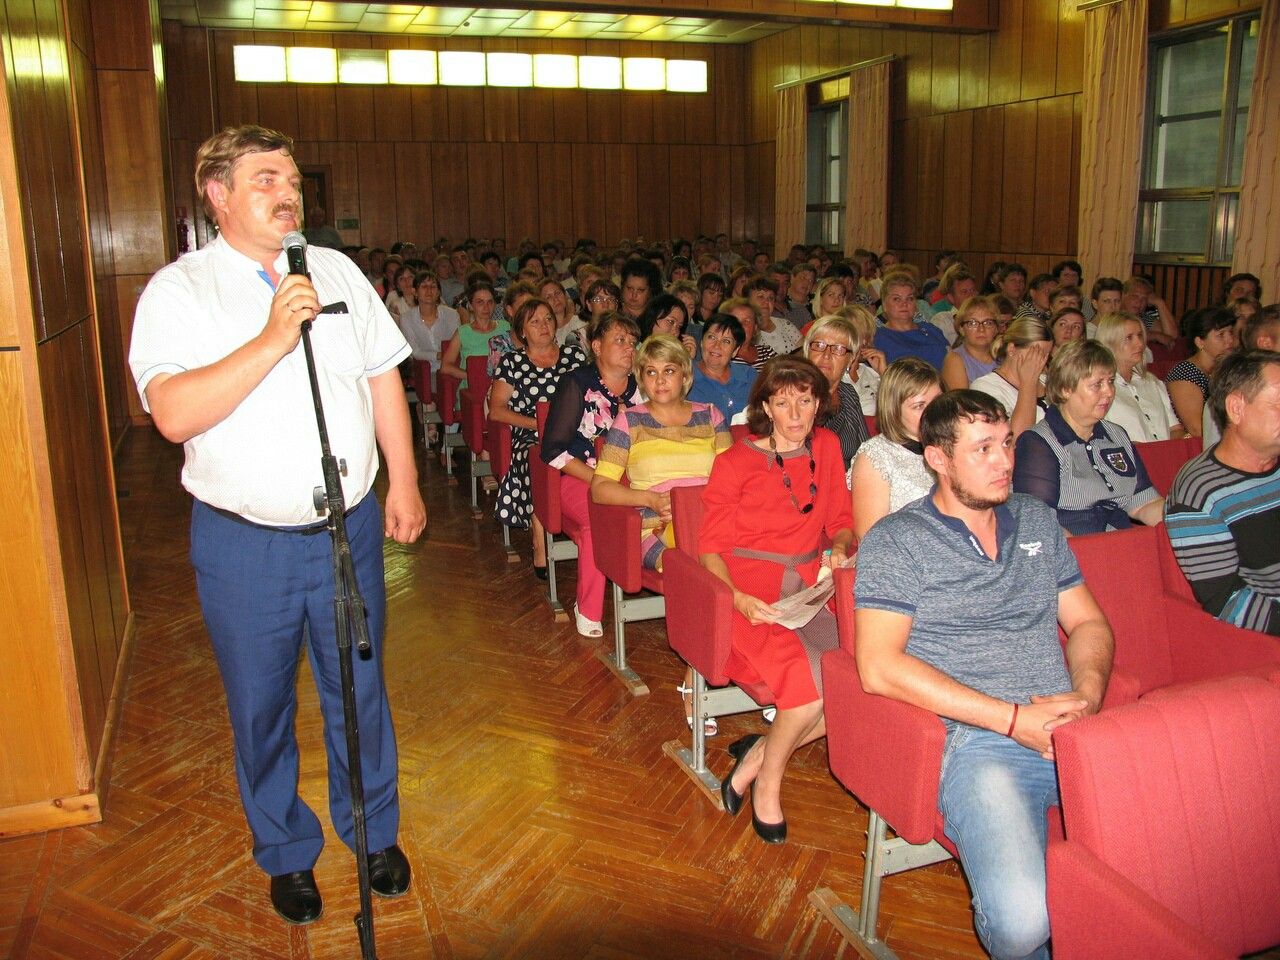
{"x":1143,"y":408}
{"x":263,"y":461}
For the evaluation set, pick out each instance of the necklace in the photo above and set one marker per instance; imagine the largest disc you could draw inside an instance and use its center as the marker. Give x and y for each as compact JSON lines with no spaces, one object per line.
{"x":786,"y":480}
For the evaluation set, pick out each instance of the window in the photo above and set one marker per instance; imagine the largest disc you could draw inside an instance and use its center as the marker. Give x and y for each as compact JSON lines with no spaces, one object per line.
{"x":828,"y":134}
{"x":1197,"y":109}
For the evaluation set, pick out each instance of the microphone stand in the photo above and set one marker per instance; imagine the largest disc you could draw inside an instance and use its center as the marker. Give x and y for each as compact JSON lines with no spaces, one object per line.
{"x":349,"y":617}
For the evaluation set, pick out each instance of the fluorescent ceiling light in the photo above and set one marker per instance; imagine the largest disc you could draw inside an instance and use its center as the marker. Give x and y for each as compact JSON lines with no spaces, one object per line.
{"x":510,"y":69}
{"x":869,"y":3}
{"x":555,"y":70}
{"x":925,"y":4}
{"x":413,"y":66}
{"x":362,"y":66}
{"x":600,"y":73}
{"x":312,"y":64}
{"x":461,"y":68}
{"x":644,"y":73}
{"x":687,"y":76}
{"x":256,"y":64}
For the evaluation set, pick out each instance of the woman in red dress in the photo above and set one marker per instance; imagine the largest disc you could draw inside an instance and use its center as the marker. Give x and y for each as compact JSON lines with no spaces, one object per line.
{"x":772,"y":503}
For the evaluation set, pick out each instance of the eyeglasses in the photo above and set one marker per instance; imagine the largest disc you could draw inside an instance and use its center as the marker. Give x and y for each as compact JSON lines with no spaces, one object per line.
{"x":978,"y":324}
{"x":835,"y":349}
{"x":602,"y":298}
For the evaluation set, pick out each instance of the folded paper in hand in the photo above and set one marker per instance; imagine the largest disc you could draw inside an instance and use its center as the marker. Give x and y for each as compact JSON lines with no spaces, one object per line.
{"x":798,"y":609}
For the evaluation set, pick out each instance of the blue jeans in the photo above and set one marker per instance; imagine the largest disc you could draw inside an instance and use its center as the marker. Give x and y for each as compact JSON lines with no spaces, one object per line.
{"x":994,"y":795}
{"x":263,"y":594}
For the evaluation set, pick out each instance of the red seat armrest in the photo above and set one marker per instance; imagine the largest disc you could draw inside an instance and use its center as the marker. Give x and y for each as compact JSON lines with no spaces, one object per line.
{"x":887,"y":753}
{"x":1202,"y":646}
{"x":448,"y":397}
{"x":699,"y":615}
{"x":1097,"y":914}
{"x":615,"y":531}
{"x":1122,"y":688}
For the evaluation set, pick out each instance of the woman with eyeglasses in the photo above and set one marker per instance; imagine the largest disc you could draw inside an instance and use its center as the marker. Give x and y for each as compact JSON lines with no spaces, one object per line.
{"x":832,"y":346}
{"x":773,"y":500}
{"x":978,"y":327}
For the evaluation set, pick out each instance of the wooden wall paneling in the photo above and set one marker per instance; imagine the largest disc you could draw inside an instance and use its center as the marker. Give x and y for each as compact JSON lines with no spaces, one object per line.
{"x":668,"y":122}
{"x":466,"y":113}
{"x":521,"y":187}
{"x":450,"y":189}
{"x":235,"y":102}
{"x":1039,"y":48}
{"x":535,"y":105}
{"x":728,"y":97}
{"x":379,"y":202}
{"x":636,"y":108}
{"x":1070,"y":59}
{"x":1073,"y":199}
{"x":1005,"y":75}
{"x":342,"y":157}
{"x":135,"y":174}
{"x":33,"y":764}
{"x":122,"y":36}
{"x":685,"y":191}
{"x":1054,"y":161}
{"x":622,"y":176}
{"x":917,"y":70}
{"x":501,"y":104}
{"x":80,"y":26}
{"x":1019,"y":198}
{"x":787,"y":66}
{"x":930,"y":180}
{"x":126,"y":290}
{"x":904,"y":186}
{"x":555,"y":205}
{"x":945,"y":63}
{"x":986,"y":195}
{"x":354,"y":103}
{"x":317,"y":104}
{"x":393,"y":103}
{"x":957,"y":179}
{"x":590,"y":116}
{"x":738,"y":192}
{"x":975,"y":66}
{"x":713,"y":185}
{"x":485,"y":196}
{"x":653,"y":183}
{"x":277,"y":102}
{"x":766,"y":162}
{"x":415,"y":186}
{"x":751,"y":180}
{"x":591,"y":208}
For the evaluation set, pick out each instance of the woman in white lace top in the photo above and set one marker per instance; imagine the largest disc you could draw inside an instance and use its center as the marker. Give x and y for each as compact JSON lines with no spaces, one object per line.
{"x":889,"y":471}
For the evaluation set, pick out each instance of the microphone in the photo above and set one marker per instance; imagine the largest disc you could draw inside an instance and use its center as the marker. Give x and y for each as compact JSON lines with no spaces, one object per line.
{"x":295,"y":249}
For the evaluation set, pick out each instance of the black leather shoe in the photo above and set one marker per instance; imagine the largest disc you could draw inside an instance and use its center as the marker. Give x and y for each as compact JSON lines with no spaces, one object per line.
{"x":738,"y":750}
{"x":389,"y":872}
{"x":296,"y":897}
{"x":540,"y":571}
{"x":768,"y":832}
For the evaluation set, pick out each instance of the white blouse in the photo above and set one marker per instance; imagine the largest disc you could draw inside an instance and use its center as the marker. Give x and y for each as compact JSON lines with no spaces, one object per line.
{"x":1143,"y":408}
{"x":905,"y":473}
{"x":1004,"y":391}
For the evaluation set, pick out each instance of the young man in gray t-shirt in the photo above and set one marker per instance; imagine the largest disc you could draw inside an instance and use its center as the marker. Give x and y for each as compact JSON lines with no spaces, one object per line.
{"x":959,"y":599}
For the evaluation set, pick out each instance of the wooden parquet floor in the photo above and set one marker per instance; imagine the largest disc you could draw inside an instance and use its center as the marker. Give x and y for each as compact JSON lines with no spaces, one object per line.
{"x":538,"y":810}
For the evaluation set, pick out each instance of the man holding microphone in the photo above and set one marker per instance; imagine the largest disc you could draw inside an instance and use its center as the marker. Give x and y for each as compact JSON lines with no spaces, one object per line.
{"x":217,"y":360}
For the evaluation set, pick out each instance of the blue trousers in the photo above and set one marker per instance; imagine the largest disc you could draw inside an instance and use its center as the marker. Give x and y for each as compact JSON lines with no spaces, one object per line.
{"x":995,"y":795}
{"x":263,"y":593}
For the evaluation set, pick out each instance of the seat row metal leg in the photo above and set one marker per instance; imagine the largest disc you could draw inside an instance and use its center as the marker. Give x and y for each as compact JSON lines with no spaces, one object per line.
{"x":692,"y":759}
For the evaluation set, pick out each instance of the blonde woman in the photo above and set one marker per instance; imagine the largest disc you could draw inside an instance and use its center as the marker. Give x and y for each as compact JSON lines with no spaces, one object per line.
{"x":1142,"y":404}
{"x":870,"y":366}
{"x":1021,"y":354}
{"x":828,"y":297}
{"x":832,"y":346}
{"x":889,"y":470}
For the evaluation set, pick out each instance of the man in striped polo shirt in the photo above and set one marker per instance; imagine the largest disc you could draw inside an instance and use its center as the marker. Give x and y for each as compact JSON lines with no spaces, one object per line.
{"x":1223,"y":512}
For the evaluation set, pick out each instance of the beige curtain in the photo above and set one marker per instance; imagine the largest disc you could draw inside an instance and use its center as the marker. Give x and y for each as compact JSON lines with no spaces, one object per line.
{"x":1114,"y":104}
{"x":789,"y":194}
{"x":1257,"y":249}
{"x":866,"y":216}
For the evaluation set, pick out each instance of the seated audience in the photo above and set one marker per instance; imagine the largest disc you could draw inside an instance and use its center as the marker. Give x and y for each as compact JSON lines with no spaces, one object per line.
{"x":832,"y":345}
{"x":905,"y":332}
{"x":1012,"y":283}
{"x":889,"y":471}
{"x":585,"y":404}
{"x":1223,"y":512}
{"x":665,"y":315}
{"x":828,"y":297}
{"x":773,"y":330}
{"x":523,"y":378}
{"x":1021,"y":354}
{"x":472,"y":338}
{"x":1067,"y":325}
{"x":639,"y":282}
{"x":958,"y":285}
{"x":799,"y":293}
{"x":1241,"y":285}
{"x":773,"y":501}
{"x":753,"y":353}
{"x":1211,"y":330}
{"x":1243,"y":308}
{"x":1039,"y":291}
{"x":1077,"y":462}
{"x":959,"y":599}
{"x":664,"y":443}
{"x":568,"y":323}
{"x":710,"y":295}
{"x":870,"y":365}
{"x":429,"y":326}
{"x":401,"y":296}
{"x":1139,"y":298}
{"x":717,"y":379}
{"x":972,"y":358}
{"x":1142,"y":406}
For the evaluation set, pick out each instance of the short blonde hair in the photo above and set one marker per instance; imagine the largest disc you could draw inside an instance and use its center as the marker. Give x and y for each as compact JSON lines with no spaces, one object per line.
{"x":1110,"y":328}
{"x":217,"y":156}
{"x":1022,"y":332}
{"x":863,"y":320}
{"x":1071,"y":363}
{"x":824,"y":327}
{"x":663,"y":348}
{"x":899,"y":276}
{"x":735,"y":303}
{"x":902,"y":380}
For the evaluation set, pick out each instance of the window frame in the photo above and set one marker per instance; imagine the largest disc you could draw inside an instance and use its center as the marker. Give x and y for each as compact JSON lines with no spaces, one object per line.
{"x":828,"y":97}
{"x":1223,"y":197}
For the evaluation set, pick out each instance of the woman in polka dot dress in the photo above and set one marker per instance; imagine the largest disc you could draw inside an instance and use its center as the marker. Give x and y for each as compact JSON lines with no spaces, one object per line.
{"x":523,"y":378}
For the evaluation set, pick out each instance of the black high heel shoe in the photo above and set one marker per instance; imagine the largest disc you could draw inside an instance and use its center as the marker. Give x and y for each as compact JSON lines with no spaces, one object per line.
{"x":768,"y":832}
{"x":540,"y":571}
{"x":738,"y":750}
